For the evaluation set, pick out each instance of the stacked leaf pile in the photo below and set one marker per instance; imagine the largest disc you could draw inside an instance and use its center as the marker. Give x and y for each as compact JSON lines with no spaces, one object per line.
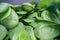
{"x":30,"y":20}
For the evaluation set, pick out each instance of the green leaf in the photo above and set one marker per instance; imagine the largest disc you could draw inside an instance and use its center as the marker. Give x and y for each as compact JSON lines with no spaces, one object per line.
{"x":11,"y":21}
{"x":19,"y":27}
{"x":50,"y":16}
{"x":47,"y":39}
{"x":4,"y":15}
{"x":19,"y":33}
{"x":27,"y":7}
{"x":43,"y":4}
{"x":3,"y":32}
{"x":21,"y":13}
{"x":33,"y":15}
{"x":4,"y":10}
{"x":22,"y":35}
{"x":39,"y":16}
{"x":47,"y":30}
{"x":16,"y":7}
{"x":6,"y":38}
{"x":56,"y":1}
{"x":28,"y":20}
{"x":34,"y":24}
{"x":31,"y":32}
{"x":3,"y":7}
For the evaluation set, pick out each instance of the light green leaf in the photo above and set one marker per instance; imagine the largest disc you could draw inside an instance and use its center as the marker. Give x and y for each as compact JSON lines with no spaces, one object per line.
{"x":21,"y":12}
{"x":50,"y":16}
{"x":28,"y":20}
{"x":57,"y":1}
{"x":11,"y":21}
{"x":3,"y":32}
{"x":33,"y":15}
{"x":19,"y":33}
{"x":27,"y":7}
{"x":47,"y":39}
{"x":46,"y":30}
{"x":3,"y":7}
{"x":34,"y":24}
{"x":19,"y":27}
{"x":4,"y":11}
{"x":31,"y":32}
{"x":16,"y":7}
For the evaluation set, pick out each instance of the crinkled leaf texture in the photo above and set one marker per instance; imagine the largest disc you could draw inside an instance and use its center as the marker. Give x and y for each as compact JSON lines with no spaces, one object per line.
{"x":52,"y":15}
{"x":19,"y":33}
{"x":47,"y":30}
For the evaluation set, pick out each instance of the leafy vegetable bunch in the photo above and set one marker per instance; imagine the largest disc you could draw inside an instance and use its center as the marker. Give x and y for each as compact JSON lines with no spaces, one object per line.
{"x":30,"y":20}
